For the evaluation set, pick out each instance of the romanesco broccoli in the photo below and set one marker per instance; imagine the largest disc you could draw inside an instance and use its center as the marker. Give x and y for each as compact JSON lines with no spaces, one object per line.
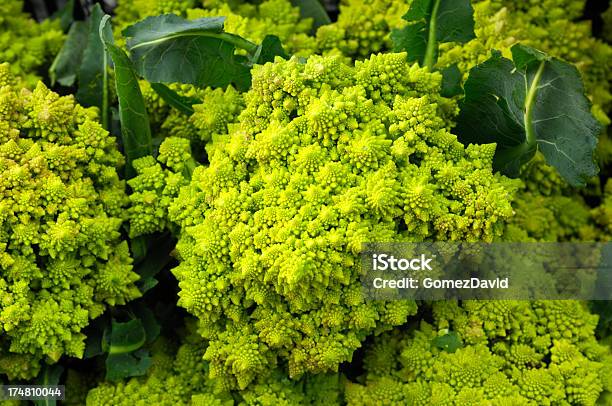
{"x":62,"y":261}
{"x":324,"y":157}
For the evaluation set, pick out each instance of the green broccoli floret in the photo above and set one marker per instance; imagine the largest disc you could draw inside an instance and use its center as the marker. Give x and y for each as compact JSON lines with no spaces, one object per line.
{"x":514,"y":353}
{"x":270,"y":17}
{"x":155,"y":186}
{"x":178,"y":376}
{"x":62,"y":261}
{"x":363,"y":28}
{"x":27,"y":46}
{"x":324,"y":157}
{"x":219,"y":109}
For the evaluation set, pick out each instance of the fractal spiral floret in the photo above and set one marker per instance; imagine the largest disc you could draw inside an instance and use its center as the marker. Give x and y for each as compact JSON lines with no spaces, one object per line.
{"x":324,"y":158}
{"x":515,"y":353}
{"x":29,"y":47}
{"x":62,"y":260}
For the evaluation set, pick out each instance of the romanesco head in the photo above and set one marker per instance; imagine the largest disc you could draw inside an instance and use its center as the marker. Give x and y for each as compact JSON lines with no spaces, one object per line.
{"x":324,"y":158}
{"x":62,"y":260}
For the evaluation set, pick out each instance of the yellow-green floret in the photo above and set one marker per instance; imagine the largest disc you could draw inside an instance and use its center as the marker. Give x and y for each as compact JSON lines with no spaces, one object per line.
{"x":28,"y":46}
{"x":511,"y":353}
{"x":178,"y":376}
{"x":62,"y":260}
{"x":323,"y":158}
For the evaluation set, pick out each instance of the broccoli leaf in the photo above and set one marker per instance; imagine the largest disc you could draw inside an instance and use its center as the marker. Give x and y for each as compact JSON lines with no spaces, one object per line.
{"x":126,"y":337}
{"x":135,"y":128}
{"x":449,"y":342}
{"x":120,"y":366}
{"x":169,"y":49}
{"x":65,"y":65}
{"x":93,"y":67}
{"x":431,"y":22}
{"x":49,"y":376}
{"x":159,"y":254}
{"x":451,"y":81}
{"x":313,"y":9}
{"x":125,"y":354}
{"x":534,"y":103}
{"x":181,"y":103}
{"x":148,"y":320}
{"x":270,"y":48}
{"x":65,"y":15}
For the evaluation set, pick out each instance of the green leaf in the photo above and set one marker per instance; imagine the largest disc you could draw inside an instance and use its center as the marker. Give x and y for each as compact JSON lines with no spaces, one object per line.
{"x":312,"y":9}
{"x":97,"y":337}
{"x":536,"y":103}
{"x":65,"y":15}
{"x":270,"y":48}
{"x":171,"y":49}
{"x":159,"y":256}
{"x":125,"y":354}
{"x":412,"y":39}
{"x":139,"y":247}
{"x":135,"y":128}
{"x":120,"y":366}
{"x":451,"y":81}
{"x":181,"y":103}
{"x":93,"y":67}
{"x":449,"y":342}
{"x":67,"y":61}
{"x":126,"y":337}
{"x":49,"y":376}
{"x":149,"y":322}
{"x":431,"y":22}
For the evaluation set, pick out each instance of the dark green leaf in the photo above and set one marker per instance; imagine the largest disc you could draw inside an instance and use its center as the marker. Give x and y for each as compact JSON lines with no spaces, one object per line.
{"x":431,"y":22}
{"x":98,"y":337}
{"x":159,"y":256}
{"x":535,"y":103}
{"x":451,"y":81}
{"x":126,"y":357}
{"x":139,"y":247}
{"x":146,"y":284}
{"x":126,"y":337}
{"x":171,"y":49}
{"x":181,"y":103}
{"x":65,"y":15}
{"x":149,"y":323}
{"x":135,"y":128}
{"x":449,"y":342}
{"x":312,"y":9}
{"x":120,"y":366}
{"x":49,"y":376}
{"x":93,"y":66}
{"x":166,"y":27}
{"x":270,"y":48}
{"x":412,"y":39}
{"x":64,"y":67}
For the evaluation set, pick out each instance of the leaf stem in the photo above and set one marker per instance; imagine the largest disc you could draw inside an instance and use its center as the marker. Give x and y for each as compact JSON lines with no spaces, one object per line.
{"x":529,"y":105}
{"x":430,"y":51}
{"x":105,"y":119}
{"x":237,"y":41}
